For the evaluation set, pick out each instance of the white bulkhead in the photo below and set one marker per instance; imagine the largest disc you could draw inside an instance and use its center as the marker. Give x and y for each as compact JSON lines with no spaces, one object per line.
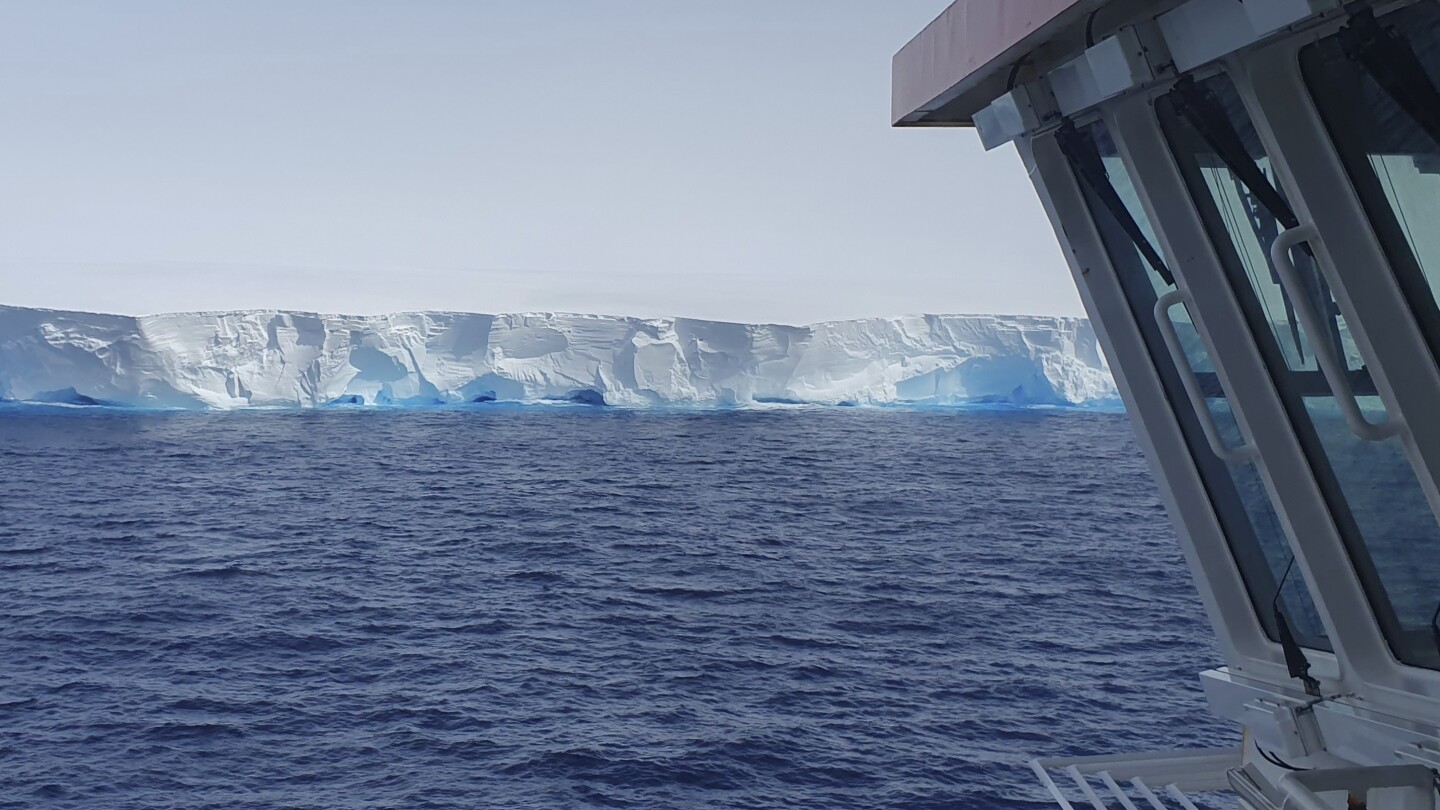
{"x":1248,"y":193}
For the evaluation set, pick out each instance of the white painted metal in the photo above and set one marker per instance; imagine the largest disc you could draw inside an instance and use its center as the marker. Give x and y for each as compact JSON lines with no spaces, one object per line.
{"x":1179,"y":771}
{"x":1045,"y":779}
{"x":1222,"y":325}
{"x":1276,"y":716}
{"x":1089,"y":792}
{"x":1149,"y":794}
{"x":1118,"y":63}
{"x":1202,"y":31}
{"x":1074,"y":86}
{"x":1244,"y":452}
{"x":1050,"y":784}
{"x":1331,"y":366}
{"x":994,"y":130}
{"x":1306,"y":505}
{"x":1276,"y":726}
{"x":1111,"y":67}
{"x":1303,"y":789}
{"x":1373,"y":710}
{"x":1270,"y":15}
{"x":1320,"y":552}
{"x":1116,"y":791}
{"x":1242,"y":641}
{"x":1303,"y":156}
{"x":1354,"y":732}
{"x":1191,"y":769}
{"x":1421,"y":753}
{"x":1007,"y":118}
{"x":1179,"y":795}
{"x":1384,"y":331}
{"x":1247,"y":786}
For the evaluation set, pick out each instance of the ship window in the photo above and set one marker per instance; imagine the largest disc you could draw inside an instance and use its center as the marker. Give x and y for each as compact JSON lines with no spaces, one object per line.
{"x":1374,"y":495}
{"x":1252,"y":529}
{"x":1375,"y":86}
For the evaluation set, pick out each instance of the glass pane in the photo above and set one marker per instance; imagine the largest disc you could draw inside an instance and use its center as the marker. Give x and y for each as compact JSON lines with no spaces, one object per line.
{"x":1374,"y":495}
{"x":1246,"y":515}
{"x":1393,"y":515}
{"x":1251,"y":231}
{"x":1391,"y":149}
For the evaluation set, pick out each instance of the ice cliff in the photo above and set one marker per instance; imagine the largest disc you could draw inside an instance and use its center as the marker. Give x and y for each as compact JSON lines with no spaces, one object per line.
{"x":268,"y":358}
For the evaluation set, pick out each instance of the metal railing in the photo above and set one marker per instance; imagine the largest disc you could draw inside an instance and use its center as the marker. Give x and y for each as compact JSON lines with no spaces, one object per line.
{"x":1157,"y":780}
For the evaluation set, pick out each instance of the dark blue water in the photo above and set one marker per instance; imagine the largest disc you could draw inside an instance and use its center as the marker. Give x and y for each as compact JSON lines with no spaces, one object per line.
{"x":572,"y":607}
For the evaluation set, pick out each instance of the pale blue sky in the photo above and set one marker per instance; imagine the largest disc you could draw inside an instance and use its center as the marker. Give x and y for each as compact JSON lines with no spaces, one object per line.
{"x":728,"y":159}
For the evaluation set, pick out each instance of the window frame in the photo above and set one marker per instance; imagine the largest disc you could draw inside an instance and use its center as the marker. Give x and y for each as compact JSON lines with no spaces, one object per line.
{"x":1242,"y":641}
{"x":1363,"y":675}
{"x":1411,"y":277}
{"x":1211,"y":461}
{"x":1407,"y":378}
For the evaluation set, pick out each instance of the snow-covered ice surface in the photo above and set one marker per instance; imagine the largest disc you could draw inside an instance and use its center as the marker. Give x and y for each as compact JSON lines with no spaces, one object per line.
{"x":225,"y":360}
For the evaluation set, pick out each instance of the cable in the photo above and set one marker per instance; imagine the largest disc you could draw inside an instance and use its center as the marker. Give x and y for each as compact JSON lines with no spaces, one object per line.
{"x":1400,"y":209}
{"x":1090,"y":29}
{"x":1015,"y":72}
{"x":1275,"y":603}
{"x":1295,"y":660}
{"x":1435,"y":629}
{"x":1277,"y":761}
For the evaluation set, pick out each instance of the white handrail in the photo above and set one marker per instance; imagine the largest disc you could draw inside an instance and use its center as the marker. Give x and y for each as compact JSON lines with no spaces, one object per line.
{"x":1334,"y":369}
{"x":1244,"y":452}
{"x":1118,"y":791}
{"x":1179,"y":795}
{"x":1085,"y":788}
{"x":1055,"y":792}
{"x":1179,"y":770}
{"x":1148,"y":794}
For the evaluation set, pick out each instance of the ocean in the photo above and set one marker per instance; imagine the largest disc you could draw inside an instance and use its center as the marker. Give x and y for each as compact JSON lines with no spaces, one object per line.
{"x":553,"y":607}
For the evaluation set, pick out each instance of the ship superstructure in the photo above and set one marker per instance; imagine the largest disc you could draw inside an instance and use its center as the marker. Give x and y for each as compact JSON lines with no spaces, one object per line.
{"x":1248,"y":194}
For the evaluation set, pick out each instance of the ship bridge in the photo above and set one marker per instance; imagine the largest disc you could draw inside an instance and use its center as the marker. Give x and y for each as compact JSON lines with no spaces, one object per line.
{"x":1248,"y":194}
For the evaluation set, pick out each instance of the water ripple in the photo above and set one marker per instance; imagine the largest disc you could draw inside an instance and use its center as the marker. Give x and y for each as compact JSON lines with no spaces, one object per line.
{"x":569,"y":607}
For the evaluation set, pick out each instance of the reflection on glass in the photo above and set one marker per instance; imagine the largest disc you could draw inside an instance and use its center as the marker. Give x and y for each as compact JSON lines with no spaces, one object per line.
{"x":1374,"y":495}
{"x":1242,"y":505}
{"x":1245,"y":476}
{"x":1389,"y":136}
{"x":1251,"y":232}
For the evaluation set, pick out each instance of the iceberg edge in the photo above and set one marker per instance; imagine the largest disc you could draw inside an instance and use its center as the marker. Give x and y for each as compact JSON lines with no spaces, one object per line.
{"x":278,"y":359}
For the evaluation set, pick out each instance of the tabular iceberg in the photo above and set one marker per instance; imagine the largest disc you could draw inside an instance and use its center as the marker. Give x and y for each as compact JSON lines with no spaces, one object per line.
{"x":245,"y":359}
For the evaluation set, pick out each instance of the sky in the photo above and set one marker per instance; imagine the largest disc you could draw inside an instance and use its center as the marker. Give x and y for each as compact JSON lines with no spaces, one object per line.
{"x":729,"y":160}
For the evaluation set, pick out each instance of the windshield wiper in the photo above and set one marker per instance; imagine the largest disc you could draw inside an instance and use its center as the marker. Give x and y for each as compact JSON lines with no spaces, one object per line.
{"x":1203,"y":112}
{"x":1266,"y":230}
{"x":1200,"y":109}
{"x":1388,"y":58}
{"x":1296,"y":662}
{"x":1435,"y":628}
{"x":1085,"y":158}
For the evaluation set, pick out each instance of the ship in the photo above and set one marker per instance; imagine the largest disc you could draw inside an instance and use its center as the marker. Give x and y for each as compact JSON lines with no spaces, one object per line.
{"x":1247,"y":193}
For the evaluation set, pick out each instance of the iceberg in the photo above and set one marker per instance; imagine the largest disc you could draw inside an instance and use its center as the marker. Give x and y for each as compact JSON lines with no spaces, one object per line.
{"x":247,"y":359}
